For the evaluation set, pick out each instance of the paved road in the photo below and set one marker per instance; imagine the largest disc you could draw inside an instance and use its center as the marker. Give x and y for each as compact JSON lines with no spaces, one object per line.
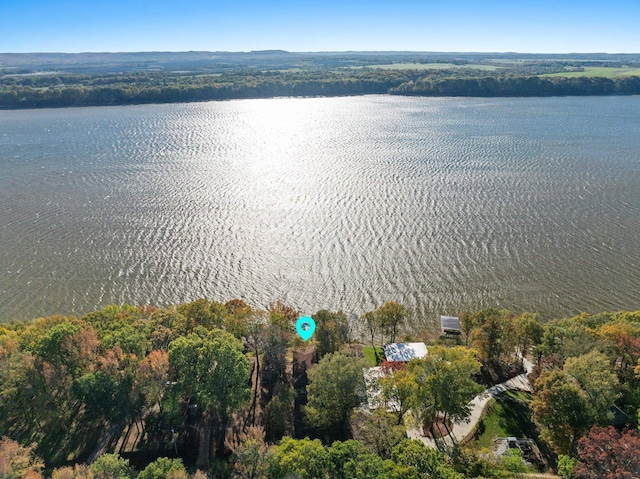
{"x":460,"y":431}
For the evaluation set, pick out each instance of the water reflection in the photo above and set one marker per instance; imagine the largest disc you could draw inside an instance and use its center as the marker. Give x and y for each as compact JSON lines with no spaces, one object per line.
{"x":442,"y":204}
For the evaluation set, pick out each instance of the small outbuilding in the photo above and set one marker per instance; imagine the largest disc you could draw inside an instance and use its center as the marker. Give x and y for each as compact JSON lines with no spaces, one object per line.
{"x":450,"y":325}
{"x":528,"y":448}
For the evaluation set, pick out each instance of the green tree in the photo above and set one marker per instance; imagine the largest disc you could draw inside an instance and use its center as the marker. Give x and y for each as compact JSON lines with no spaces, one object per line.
{"x":529,"y":330}
{"x":164,"y":326}
{"x":561,"y":410}
{"x":164,"y":468}
{"x":391,"y":316}
{"x":623,"y":346}
{"x":103,"y":396}
{"x":511,"y":461}
{"x":336,"y":386}
{"x":445,"y":383}
{"x":596,"y":377}
{"x":332,"y":331}
{"x":111,"y":466}
{"x":106,"y":390}
{"x":341,"y":453}
{"x":428,"y":462}
{"x":250,"y":461}
{"x":365,"y":466}
{"x":468,"y":322}
{"x":378,"y":431}
{"x":21,"y":396}
{"x":274,"y":370}
{"x":254,"y":339}
{"x":212,"y":368}
{"x":566,"y":465}
{"x":545,"y":364}
{"x":251,"y":455}
{"x":494,"y":334}
{"x":131,"y":338}
{"x":275,"y":378}
{"x":399,"y":389}
{"x":392,"y":470}
{"x":37,"y":392}
{"x":111,"y":316}
{"x":303,"y":459}
{"x":571,"y":337}
{"x":34,"y":330}
{"x":278,"y":413}
{"x":209,"y":314}
{"x":69,"y":347}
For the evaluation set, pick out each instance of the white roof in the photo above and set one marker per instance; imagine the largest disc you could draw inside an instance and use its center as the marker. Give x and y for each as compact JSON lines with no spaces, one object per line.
{"x":405,"y":352}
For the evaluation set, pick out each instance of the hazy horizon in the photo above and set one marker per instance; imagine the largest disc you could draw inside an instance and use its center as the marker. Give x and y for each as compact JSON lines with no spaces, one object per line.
{"x":71,"y":26}
{"x":428,"y":52}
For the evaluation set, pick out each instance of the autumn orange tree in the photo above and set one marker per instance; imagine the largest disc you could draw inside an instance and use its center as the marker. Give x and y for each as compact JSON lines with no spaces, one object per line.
{"x":18,"y":462}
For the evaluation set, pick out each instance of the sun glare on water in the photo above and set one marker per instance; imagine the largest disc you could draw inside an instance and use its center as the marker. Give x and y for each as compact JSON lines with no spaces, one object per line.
{"x":281,"y":134}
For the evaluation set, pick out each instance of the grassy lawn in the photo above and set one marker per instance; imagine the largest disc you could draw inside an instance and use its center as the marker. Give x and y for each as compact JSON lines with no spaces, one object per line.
{"x":508,"y":415}
{"x":370,"y":356}
{"x":606,"y":72}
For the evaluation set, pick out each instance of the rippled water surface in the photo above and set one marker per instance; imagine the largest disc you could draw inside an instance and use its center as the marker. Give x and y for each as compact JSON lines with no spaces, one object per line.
{"x":442,"y":204}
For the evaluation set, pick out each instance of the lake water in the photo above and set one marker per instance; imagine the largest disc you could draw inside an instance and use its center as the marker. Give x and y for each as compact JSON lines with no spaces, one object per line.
{"x":442,"y":204}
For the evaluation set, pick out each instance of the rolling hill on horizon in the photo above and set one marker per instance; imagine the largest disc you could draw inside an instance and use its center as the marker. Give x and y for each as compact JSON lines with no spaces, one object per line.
{"x":223,"y":61}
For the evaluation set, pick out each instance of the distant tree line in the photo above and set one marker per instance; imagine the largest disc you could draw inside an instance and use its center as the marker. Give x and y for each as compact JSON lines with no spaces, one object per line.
{"x":510,"y":86}
{"x":47,"y":91}
{"x":149,"y":88}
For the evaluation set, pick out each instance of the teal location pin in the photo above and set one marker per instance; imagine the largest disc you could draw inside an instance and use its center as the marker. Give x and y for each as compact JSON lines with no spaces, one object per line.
{"x":305,"y":327}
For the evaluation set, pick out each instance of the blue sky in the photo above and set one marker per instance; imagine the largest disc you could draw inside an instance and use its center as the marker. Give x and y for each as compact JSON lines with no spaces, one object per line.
{"x":559,"y":26}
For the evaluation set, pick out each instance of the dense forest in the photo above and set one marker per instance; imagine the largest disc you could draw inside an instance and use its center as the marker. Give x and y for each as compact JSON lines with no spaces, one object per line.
{"x":160,"y":88}
{"x":502,"y":86}
{"x":59,"y":80}
{"x":141,"y":88}
{"x":206,"y":389}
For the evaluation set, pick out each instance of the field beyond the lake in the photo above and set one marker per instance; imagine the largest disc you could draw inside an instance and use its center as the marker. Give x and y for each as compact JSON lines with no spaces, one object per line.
{"x":46,"y":80}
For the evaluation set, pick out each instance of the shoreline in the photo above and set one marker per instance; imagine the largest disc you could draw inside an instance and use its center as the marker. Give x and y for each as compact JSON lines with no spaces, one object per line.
{"x":415,"y":95}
